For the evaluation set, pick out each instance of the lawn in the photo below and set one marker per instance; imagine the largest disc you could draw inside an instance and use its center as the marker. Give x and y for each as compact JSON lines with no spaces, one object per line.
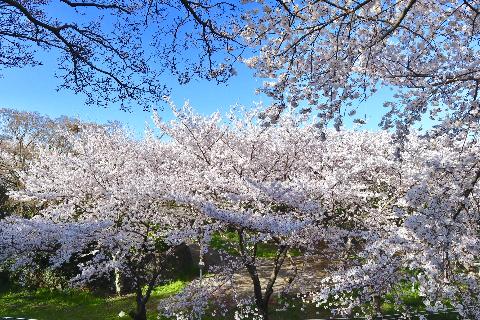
{"x":46,"y":304}
{"x":77,"y":305}
{"x":228,"y":242}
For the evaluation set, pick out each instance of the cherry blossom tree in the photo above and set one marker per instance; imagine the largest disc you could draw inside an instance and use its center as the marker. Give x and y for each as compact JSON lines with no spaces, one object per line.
{"x":238,"y":177}
{"x":104,"y":207}
{"x":326,"y":56}
{"x":280,"y":184}
{"x":110,"y":202}
{"x":380,"y":219}
{"x":425,"y":233}
{"x":21,"y":133}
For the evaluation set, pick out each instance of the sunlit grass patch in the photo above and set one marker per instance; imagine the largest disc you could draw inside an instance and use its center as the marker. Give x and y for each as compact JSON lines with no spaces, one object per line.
{"x":228,"y":242}
{"x":47,"y":304}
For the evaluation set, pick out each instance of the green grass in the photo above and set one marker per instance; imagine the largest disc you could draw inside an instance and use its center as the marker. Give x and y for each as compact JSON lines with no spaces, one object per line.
{"x":82,"y":305}
{"x":167,"y":290}
{"x":228,"y":242}
{"x":78,"y":305}
{"x":411,"y":299}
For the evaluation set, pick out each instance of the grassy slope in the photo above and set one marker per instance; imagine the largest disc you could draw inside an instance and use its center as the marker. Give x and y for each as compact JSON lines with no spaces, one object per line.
{"x":78,"y":305}
{"x":82,"y":305}
{"x":228,"y":242}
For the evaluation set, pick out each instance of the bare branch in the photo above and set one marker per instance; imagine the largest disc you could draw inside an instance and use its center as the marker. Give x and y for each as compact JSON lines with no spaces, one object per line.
{"x":96,"y":5}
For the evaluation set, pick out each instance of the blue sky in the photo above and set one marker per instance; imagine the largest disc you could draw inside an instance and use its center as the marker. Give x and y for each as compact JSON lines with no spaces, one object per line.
{"x":34,"y":89}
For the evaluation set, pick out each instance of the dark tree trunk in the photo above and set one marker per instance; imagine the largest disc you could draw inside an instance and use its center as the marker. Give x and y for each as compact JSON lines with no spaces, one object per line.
{"x":278,"y":262}
{"x":264,"y":309}
{"x":142,"y":299}
{"x":377,"y":305}
{"x":262,"y":300}
{"x":141,"y":312}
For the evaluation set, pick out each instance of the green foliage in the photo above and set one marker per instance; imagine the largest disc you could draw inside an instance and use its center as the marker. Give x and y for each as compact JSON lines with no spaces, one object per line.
{"x":228,"y":242}
{"x":36,"y":276}
{"x":269,"y":250}
{"x":225,"y":241}
{"x":409,"y":296}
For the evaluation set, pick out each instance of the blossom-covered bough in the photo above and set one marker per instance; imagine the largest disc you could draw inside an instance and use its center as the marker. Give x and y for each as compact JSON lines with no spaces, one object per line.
{"x":425,"y":233}
{"x":244,"y":178}
{"x":321,"y":55}
{"x":326,"y":56}
{"x":268,"y":185}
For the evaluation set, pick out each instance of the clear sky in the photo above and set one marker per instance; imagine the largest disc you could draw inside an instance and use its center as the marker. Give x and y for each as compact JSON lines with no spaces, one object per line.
{"x":34,"y":89}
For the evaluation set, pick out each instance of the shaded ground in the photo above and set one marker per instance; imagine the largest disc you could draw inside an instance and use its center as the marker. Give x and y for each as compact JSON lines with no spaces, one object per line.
{"x":77,"y":305}
{"x":310,"y":270}
{"x":82,"y":305}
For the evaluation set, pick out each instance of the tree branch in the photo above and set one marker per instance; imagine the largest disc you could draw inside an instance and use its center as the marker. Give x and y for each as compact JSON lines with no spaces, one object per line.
{"x":96,"y":5}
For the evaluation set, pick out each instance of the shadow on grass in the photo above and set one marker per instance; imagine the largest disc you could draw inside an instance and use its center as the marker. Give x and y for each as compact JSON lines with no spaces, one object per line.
{"x":76,"y":304}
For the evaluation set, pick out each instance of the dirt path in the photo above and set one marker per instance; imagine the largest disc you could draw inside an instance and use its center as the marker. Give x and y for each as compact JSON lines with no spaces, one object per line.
{"x":309,"y":271}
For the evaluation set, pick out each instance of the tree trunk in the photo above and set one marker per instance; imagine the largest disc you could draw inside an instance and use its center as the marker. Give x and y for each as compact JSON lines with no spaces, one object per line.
{"x":349,"y":243}
{"x":261,"y":300}
{"x":118,"y":282}
{"x":141,"y":312}
{"x":118,"y":277}
{"x":264,"y":308}
{"x":376,"y":305}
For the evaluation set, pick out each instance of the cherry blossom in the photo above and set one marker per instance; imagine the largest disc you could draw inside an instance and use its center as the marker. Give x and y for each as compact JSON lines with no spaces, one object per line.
{"x":104,"y":206}
{"x":327,"y":56}
{"x":378,"y":219}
